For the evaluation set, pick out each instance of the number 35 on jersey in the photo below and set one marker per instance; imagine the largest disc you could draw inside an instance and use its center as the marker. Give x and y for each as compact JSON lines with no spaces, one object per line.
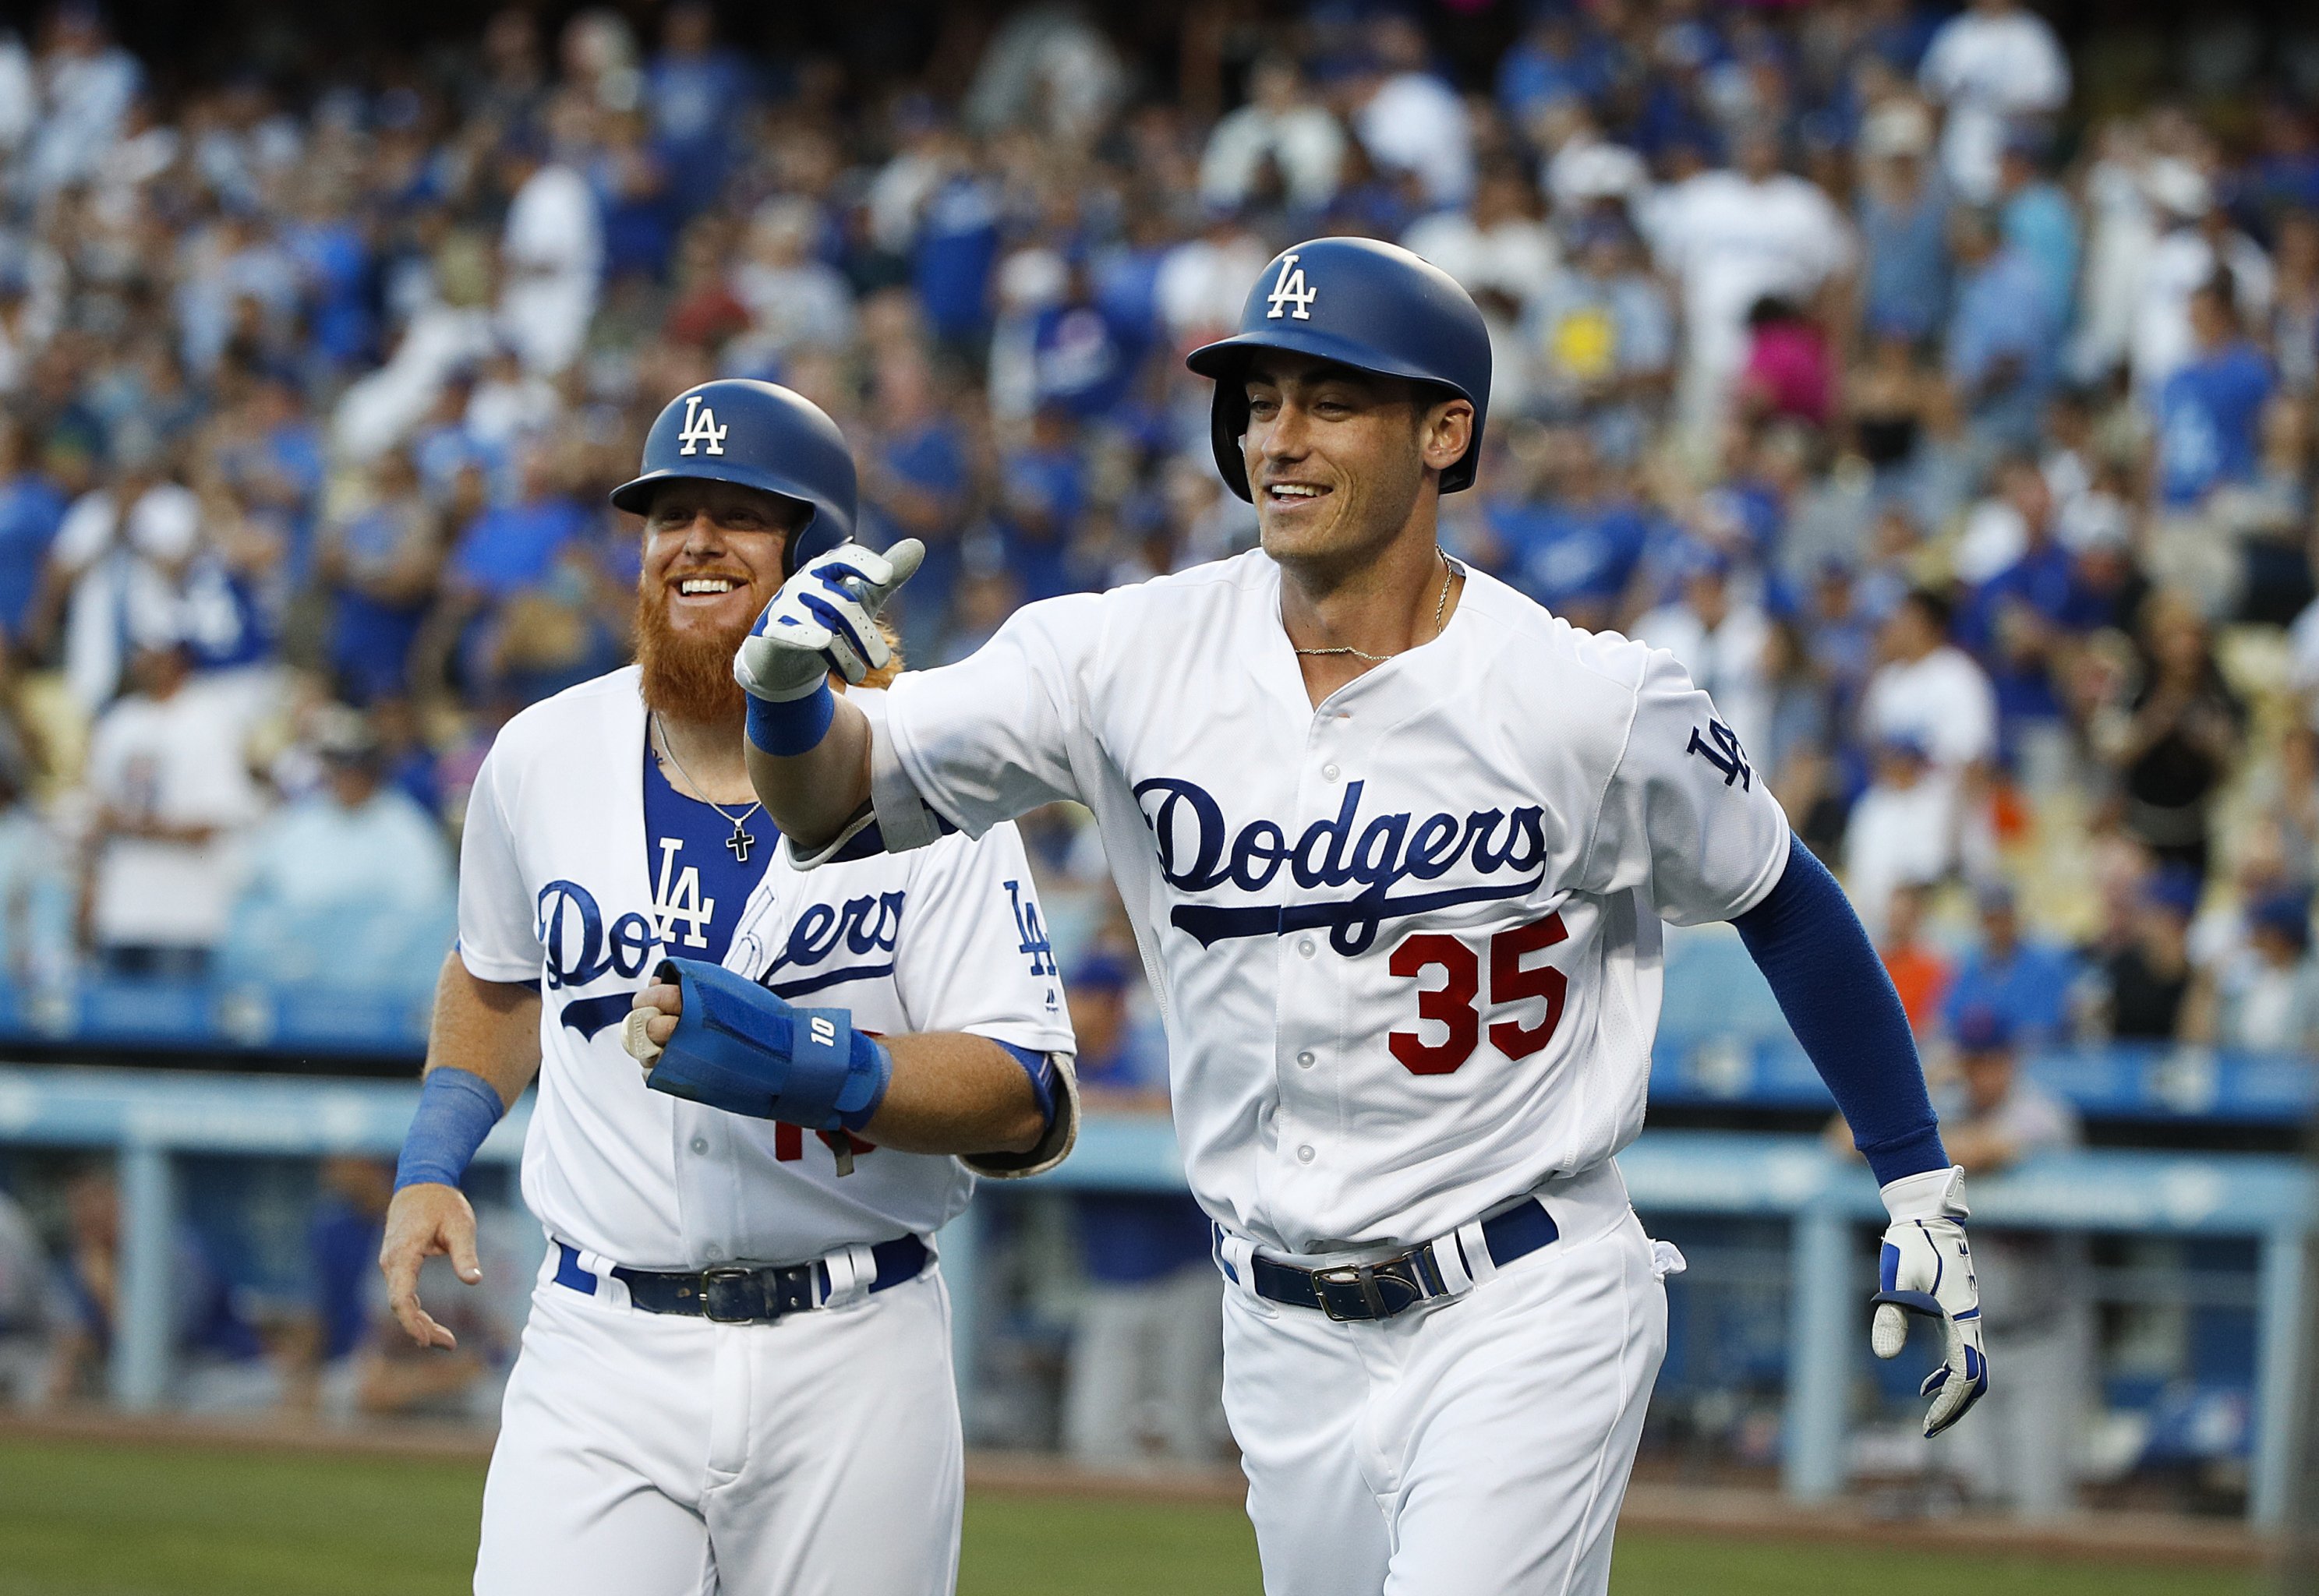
{"x":1458,"y":1005}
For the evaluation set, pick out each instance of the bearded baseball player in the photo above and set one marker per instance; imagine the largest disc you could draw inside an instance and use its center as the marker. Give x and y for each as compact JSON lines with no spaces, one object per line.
{"x":1398,"y":844}
{"x":736,"y":1375}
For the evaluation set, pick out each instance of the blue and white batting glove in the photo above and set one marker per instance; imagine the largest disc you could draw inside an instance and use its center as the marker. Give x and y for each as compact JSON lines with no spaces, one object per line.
{"x":1926,"y":1269}
{"x":825,"y":620}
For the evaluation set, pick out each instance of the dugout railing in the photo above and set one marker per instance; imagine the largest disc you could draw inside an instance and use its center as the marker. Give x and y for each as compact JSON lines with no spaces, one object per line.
{"x":150,"y":1119}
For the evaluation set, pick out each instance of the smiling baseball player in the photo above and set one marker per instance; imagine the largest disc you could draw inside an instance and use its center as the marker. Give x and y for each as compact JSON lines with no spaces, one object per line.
{"x":1397,"y":844}
{"x":736,"y":1376}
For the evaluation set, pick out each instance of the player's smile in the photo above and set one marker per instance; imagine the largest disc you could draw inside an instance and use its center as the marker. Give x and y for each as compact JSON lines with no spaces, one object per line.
{"x":719,"y":598}
{"x":1292,"y":497}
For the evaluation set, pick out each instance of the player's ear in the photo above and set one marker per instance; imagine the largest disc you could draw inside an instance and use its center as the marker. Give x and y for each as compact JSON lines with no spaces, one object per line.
{"x":1445,"y":432}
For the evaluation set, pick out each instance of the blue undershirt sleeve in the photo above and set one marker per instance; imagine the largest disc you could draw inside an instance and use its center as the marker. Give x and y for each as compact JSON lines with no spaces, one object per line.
{"x":1041,"y":1068}
{"x":1815,"y":955}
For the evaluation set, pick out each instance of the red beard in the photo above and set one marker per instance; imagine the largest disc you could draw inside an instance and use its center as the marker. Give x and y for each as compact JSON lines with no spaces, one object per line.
{"x":688,"y":675}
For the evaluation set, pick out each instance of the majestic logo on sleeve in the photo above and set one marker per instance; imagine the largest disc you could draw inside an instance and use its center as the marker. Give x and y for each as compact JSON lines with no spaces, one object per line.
{"x":1198,"y":854}
{"x":1289,"y":289}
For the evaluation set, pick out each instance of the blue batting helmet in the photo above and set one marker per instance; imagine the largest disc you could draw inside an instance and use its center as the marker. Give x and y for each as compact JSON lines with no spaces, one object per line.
{"x":758,"y":435}
{"x":1361,"y":303}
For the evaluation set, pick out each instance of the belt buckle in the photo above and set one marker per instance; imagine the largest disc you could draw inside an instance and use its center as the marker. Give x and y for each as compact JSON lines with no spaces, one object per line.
{"x":711,"y":1279}
{"x":1362,"y":1276}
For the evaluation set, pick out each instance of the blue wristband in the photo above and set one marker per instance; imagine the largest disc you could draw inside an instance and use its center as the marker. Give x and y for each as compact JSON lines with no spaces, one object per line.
{"x":788,"y":727}
{"x":456,"y":1110}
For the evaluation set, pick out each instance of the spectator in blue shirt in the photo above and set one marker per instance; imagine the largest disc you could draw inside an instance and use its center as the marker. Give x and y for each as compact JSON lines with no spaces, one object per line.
{"x":1573,"y":543}
{"x":31,"y":508}
{"x":1042,"y":492}
{"x":2002,"y":343}
{"x":509,"y":547}
{"x":2024,"y":980}
{"x":1083,"y":356}
{"x":957,"y":248}
{"x":1554,"y":61}
{"x":2037,"y":219}
{"x":220,"y":1362}
{"x":2210,"y":411}
{"x":916,"y":480}
{"x":700,"y":92}
{"x":381,"y":563}
{"x":1903,"y":214}
{"x":2019,"y":623}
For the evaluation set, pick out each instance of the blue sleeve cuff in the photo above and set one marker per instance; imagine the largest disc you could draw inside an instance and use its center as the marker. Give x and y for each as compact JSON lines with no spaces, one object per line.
{"x":456,"y":1110}
{"x":790,"y":727}
{"x":1040,"y":1068}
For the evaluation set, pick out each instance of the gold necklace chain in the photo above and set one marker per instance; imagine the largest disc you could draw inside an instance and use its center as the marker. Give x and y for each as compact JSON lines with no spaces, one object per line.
{"x":1440,"y":605}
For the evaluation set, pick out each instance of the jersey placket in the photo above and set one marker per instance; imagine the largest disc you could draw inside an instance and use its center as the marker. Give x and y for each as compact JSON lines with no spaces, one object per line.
{"x":1308,"y":1050}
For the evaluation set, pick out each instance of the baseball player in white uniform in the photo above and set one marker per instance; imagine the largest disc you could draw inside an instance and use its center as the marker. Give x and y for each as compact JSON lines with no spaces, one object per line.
{"x":736,"y":1375}
{"x":1397,"y":844}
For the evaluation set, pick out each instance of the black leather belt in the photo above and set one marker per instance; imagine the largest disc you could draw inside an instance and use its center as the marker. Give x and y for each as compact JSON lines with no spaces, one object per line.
{"x":742,"y":1294}
{"x":1395,"y":1285}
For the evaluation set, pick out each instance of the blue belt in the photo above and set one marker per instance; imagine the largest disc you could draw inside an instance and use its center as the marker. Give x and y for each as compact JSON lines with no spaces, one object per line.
{"x":1395,"y":1285}
{"x":741,"y":1293}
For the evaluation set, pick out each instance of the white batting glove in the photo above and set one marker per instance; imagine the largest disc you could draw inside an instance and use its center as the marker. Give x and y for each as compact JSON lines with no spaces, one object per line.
{"x":825,"y":620}
{"x":1926,"y":1269}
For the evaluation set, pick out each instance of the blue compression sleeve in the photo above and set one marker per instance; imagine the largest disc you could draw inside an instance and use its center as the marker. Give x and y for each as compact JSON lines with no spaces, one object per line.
{"x":456,"y":1110}
{"x":1833,"y":989}
{"x":790,"y":727}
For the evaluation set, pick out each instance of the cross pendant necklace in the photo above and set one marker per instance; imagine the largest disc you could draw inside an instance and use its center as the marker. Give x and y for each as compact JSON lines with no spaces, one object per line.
{"x":740,"y":841}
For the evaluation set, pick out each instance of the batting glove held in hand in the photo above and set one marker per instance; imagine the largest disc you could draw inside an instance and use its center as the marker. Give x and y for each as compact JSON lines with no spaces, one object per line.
{"x":825,"y":620}
{"x":1926,"y":1269}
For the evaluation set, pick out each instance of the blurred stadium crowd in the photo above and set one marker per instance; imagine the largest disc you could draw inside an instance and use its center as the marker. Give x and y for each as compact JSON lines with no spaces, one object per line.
{"x":1946,"y":406}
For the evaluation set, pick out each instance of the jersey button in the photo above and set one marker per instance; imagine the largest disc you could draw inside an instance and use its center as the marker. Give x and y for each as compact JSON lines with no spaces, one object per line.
{"x":1305,"y":1155}
{"x":700,"y":1144}
{"x":712,"y":1253}
{"x":1308,"y":947}
{"x":1305,"y":1059}
{"x":1330,"y":772}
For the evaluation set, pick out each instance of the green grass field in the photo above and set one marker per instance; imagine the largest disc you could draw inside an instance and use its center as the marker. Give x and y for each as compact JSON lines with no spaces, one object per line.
{"x":86,"y":1518}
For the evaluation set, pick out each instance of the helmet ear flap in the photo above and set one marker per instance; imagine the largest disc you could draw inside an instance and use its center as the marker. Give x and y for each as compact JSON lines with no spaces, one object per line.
{"x":1227,"y":423}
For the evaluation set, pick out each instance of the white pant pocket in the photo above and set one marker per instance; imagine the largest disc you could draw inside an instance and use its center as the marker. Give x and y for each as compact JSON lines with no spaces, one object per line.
{"x":1666,"y":1259}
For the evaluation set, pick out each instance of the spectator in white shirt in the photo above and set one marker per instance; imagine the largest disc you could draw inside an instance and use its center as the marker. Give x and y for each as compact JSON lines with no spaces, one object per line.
{"x":173,"y":795}
{"x":1410,"y":120}
{"x":1720,"y":638}
{"x":1901,"y":832}
{"x":357,"y":863}
{"x":551,"y":256}
{"x":1989,"y":67}
{"x":1733,"y":237}
{"x":795,"y":299}
{"x":2264,"y":996}
{"x":1505,"y":257}
{"x":2197,"y":245}
{"x":86,"y":85}
{"x":1202,"y":282}
{"x":1930,"y":691}
{"x":1283,"y":124}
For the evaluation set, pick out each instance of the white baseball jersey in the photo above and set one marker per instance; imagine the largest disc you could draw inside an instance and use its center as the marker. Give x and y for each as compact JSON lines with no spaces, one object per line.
{"x":1406,"y":944}
{"x":555,"y":887}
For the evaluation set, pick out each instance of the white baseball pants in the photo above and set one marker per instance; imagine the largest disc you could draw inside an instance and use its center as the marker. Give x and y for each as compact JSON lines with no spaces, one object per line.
{"x":1474,"y":1447}
{"x":651,"y":1454}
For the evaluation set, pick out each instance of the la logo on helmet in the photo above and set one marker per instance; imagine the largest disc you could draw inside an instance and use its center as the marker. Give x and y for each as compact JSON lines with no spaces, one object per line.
{"x":701,"y":429}
{"x":1291,"y":289}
